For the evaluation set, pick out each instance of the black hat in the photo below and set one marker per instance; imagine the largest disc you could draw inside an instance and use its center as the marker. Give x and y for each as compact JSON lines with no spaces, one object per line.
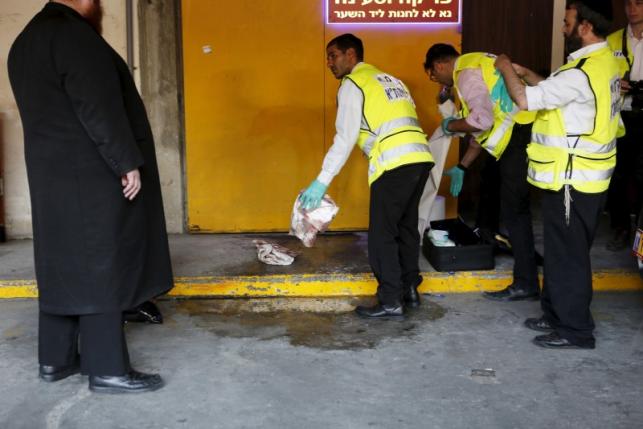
{"x":602,"y":7}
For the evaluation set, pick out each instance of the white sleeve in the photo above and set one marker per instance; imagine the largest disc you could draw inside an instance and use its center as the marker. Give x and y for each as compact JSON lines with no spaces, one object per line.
{"x":350,"y":102}
{"x":559,"y":90}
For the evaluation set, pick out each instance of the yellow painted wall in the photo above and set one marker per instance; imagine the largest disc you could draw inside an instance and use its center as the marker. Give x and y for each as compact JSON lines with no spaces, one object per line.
{"x":260,"y":108}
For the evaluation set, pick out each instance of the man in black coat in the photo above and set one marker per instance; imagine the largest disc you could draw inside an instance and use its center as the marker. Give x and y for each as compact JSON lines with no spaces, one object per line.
{"x":100,"y":242}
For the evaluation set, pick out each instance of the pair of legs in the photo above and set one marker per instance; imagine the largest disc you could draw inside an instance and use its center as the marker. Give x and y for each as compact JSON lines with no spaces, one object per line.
{"x":626,"y":188}
{"x":488,"y":211}
{"x":567,"y":286}
{"x":515,"y":208}
{"x":393,"y":237}
{"x":99,"y":341}
{"x":98,"y":338}
{"x":516,"y":216}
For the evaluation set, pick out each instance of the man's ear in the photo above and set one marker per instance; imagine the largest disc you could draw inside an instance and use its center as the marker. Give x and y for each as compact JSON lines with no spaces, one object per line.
{"x":585,"y":28}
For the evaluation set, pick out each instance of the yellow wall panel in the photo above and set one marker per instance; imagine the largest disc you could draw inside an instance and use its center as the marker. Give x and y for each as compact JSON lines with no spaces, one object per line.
{"x":260,"y":108}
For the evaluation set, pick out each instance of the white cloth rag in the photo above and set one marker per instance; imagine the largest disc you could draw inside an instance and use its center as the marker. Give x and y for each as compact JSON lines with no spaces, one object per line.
{"x":440,"y":238}
{"x":274,"y":254}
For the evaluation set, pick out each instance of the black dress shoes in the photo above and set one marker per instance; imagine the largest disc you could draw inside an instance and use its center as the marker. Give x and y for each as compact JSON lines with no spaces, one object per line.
{"x":146,"y":312}
{"x":620,"y":240}
{"x":381,"y":311}
{"x":52,"y":373}
{"x":132,"y":382}
{"x":512,"y":293}
{"x":411,"y":295}
{"x":539,"y":324}
{"x":554,"y":341}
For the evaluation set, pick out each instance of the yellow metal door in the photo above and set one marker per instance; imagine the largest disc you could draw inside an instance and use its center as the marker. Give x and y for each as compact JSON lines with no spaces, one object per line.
{"x":260,"y":109}
{"x":254,"y":117}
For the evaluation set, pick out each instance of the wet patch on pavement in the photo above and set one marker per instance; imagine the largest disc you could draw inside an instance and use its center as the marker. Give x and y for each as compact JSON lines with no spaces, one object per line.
{"x":13,"y":333}
{"x":321,"y":330}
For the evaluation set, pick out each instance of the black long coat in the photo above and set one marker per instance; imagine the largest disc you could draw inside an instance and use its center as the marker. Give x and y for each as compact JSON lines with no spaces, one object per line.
{"x":85,"y":126}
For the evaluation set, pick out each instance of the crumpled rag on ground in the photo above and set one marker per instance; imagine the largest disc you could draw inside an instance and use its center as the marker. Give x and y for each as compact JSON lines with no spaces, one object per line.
{"x":274,"y":254}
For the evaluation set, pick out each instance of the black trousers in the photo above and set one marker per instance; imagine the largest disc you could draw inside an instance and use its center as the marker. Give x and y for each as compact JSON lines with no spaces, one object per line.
{"x":488,"y":213}
{"x":393,"y":237}
{"x":626,"y":188}
{"x":99,"y":338}
{"x":567,"y":288}
{"x":515,"y":210}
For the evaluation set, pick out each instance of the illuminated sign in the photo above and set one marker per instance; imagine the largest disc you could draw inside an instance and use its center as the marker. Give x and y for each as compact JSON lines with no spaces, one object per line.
{"x":393,"y":11}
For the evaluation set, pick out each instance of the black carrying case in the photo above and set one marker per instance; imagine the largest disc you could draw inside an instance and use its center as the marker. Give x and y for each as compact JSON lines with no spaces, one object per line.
{"x":468,"y":254}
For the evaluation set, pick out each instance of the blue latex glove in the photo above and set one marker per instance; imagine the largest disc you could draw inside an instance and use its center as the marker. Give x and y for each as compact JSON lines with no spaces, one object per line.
{"x":457,"y":178}
{"x":445,"y":125}
{"x":311,"y":198}
{"x":499,"y":94}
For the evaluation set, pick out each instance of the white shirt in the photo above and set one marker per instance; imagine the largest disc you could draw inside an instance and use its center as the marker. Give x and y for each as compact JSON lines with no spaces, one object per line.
{"x":570,"y":91}
{"x":636,"y":47}
{"x":350,"y":101}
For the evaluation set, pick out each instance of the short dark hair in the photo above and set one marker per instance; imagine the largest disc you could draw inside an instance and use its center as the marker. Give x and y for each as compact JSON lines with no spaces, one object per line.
{"x":601,"y":19}
{"x":347,"y":41}
{"x":438,"y":53}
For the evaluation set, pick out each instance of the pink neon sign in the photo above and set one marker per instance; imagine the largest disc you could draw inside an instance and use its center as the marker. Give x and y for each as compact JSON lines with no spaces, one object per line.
{"x":393,"y":11}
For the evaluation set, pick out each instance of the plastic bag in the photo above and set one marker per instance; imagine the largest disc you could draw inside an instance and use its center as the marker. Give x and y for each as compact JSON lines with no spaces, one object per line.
{"x":274,"y":254}
{"x":306,"y":224}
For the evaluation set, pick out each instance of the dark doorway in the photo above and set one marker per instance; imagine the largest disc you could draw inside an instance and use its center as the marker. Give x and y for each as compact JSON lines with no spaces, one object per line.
{"x":521,"y":29}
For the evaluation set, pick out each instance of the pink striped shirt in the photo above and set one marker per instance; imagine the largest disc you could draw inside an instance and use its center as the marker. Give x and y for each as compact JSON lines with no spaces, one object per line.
{"x":476,"y":94}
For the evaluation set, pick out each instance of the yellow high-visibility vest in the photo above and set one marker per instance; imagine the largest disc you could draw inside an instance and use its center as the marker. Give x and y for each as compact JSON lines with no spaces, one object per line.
{"x":622,"y":52}
{"x":392,"y":135}
{"x":586,"y":161}
{"x":495,"y":139}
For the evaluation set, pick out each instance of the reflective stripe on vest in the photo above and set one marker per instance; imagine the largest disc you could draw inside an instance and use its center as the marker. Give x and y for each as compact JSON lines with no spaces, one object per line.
{"x":385,"y":129}
{"x":583,"y":145}
{"x":577,"y":175}
{"x":392,"y":136}
{"x":499,"y":135}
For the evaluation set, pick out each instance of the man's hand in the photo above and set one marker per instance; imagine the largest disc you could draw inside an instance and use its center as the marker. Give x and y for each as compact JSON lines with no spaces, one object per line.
{"x":457,"y":179}
{"x":625,"y":86}
{"x":131,"y":182}
{"x":444,"y":125}
{"x":520,"y":70}
{"x":311,"y":198}
{"x":502,"y":62}
{"x":446,"y":93}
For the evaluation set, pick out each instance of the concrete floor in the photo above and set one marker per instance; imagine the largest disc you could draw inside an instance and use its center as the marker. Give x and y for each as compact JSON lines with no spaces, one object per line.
{"x":341,"y":253}
{"x":229,"y":367}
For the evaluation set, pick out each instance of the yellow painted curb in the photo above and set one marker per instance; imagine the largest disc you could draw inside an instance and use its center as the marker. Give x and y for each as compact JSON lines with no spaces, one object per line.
{"x":314,"y":285}
{"x":18,"y":289}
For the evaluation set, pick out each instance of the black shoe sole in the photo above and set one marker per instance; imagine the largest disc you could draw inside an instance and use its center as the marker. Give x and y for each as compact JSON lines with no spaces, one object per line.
{"x":511,"y":299}
{"x":51,"y":378}
{"x":117,"y":390}
{"x":566,"y":347}
{"x":387,"y":317}
{"x":412,"y":304}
